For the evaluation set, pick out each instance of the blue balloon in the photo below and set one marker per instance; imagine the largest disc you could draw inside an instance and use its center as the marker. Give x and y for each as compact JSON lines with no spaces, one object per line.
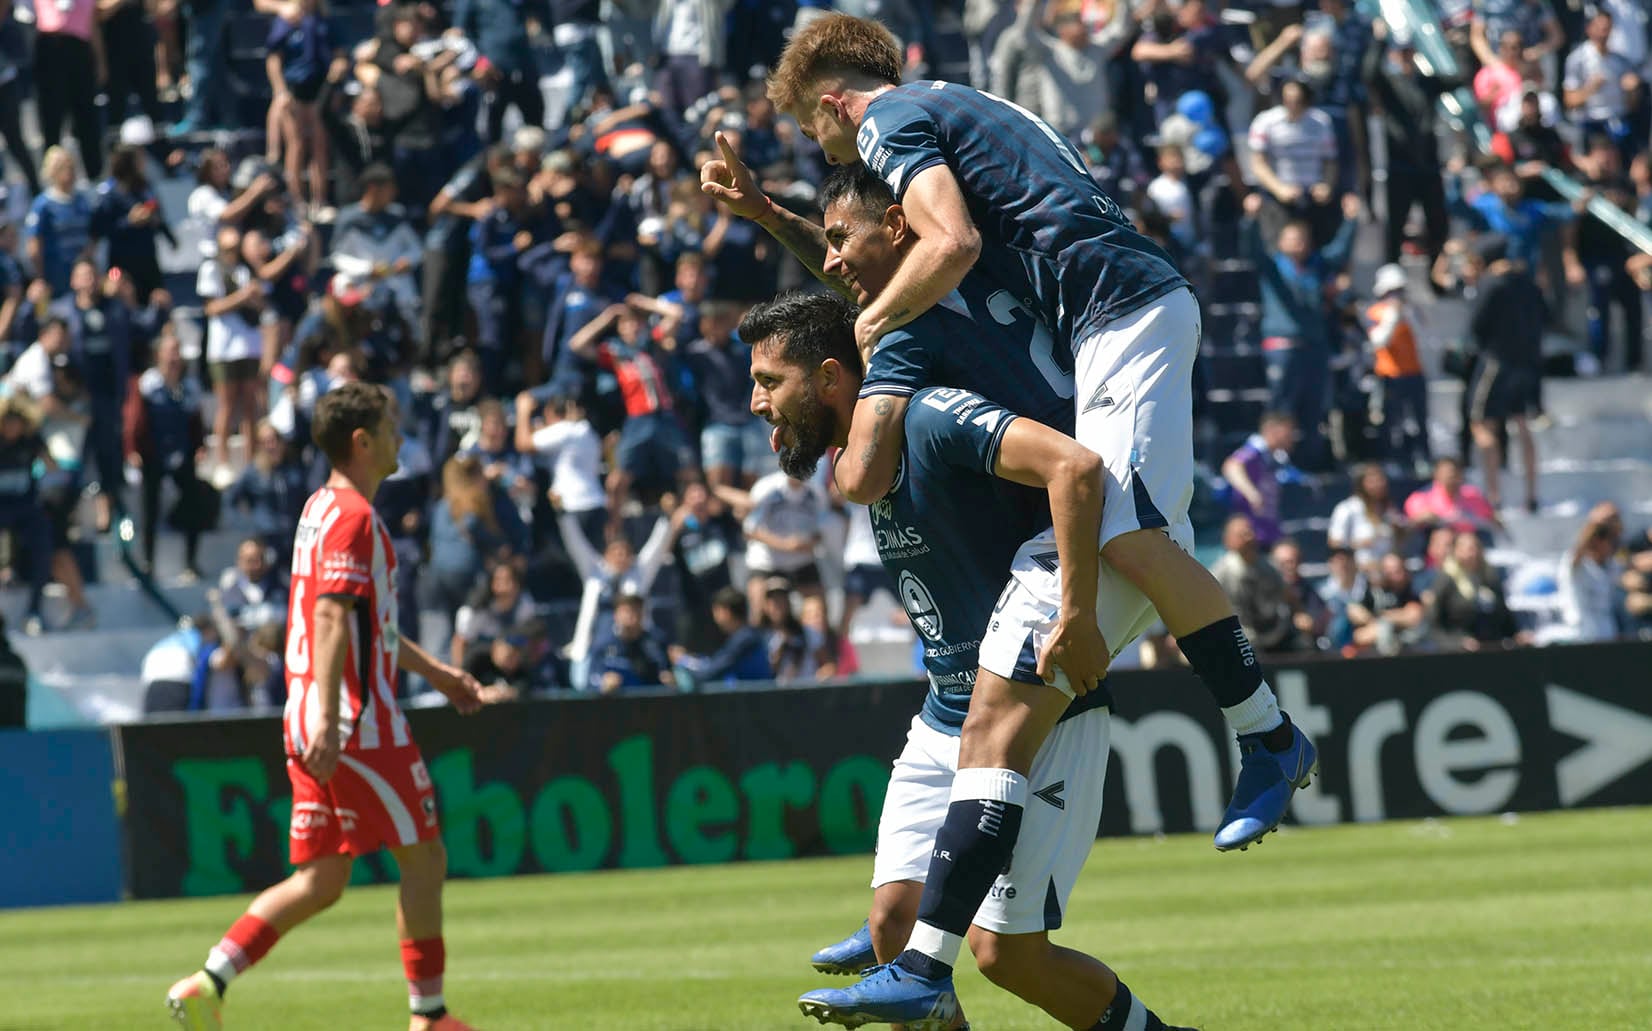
{"x":1213,"y":142}
{"x":1196,"y":106}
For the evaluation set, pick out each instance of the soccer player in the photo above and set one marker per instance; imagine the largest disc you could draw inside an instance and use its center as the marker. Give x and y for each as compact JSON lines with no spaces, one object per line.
{"x":359,"y":782}
{"x":963,"y":453}
{"x":980,"y":178}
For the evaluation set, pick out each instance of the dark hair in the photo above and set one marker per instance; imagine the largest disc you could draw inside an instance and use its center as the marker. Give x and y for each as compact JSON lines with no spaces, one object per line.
{"x":126,"y":166}
{"x":341,"y":412}
{"x":53,"y":322}
{"x":806,"y":328}
{"x":858,"y":185}
{"x":376,"y":174}
{"x":729,"y":598}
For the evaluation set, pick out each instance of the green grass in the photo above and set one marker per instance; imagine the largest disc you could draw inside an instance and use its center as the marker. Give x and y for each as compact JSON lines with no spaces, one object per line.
{"x":1541,"y":922}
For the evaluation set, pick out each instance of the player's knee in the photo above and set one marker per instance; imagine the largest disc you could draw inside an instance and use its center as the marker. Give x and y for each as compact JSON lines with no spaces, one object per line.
{"x":425,"y":862}
{"x":1007,"y":960}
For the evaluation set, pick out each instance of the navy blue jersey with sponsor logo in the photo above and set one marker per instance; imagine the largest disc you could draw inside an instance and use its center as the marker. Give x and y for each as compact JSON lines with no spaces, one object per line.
{"x":947,"y":532}
{"x":978,"y":338}
{"x":1048,"y":232}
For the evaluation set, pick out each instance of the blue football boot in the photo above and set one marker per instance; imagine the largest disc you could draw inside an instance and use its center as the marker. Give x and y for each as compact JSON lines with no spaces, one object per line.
{"x":1267,"y":780}
{"x":849,"y":956}
{"x":888,"y":994}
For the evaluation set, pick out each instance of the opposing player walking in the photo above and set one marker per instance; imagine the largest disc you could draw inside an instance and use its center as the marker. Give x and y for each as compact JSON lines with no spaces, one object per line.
{"x":359,"y":782}
{"x":964,"y":454}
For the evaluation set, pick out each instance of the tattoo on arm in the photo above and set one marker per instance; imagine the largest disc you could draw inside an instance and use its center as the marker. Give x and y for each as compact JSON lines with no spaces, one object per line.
{"x":882,"y":407}
{"x":807,"y":242}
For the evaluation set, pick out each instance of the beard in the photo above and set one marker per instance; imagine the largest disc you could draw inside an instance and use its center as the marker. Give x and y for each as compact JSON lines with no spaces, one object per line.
{"x":812,"y":433}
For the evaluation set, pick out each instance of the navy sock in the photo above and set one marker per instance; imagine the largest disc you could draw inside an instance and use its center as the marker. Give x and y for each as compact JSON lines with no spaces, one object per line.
{"x":1223,"y":658}
{"x":1117,"y":1015}
{"x":972,"y":848}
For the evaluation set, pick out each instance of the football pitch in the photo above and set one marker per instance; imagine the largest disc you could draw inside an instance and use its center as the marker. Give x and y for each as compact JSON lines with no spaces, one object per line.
{"x":1538,"y":922}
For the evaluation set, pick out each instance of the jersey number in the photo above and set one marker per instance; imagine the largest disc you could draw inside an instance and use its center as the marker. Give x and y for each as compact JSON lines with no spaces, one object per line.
{"x":298,"y":635}
{"x":1004,"y":308}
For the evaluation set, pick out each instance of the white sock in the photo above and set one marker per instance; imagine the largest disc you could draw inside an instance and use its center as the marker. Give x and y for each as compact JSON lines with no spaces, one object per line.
{"x":219,"y":965}
{"x":993,"y":785}
{"x":935,"y":943}
{"x":1257,"y":714}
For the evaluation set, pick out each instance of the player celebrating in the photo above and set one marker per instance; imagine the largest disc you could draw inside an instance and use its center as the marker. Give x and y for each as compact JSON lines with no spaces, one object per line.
{"x":359,"y":782}
{"x":963,"y":453}
{"x":965,"y":165}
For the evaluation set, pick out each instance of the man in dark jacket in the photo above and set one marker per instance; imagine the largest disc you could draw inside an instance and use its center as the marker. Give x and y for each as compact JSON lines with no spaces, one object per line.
{"x":1507,"y":327}
{"x":503,"y":31}
{"x":744,"y":654}
{"x":1406,"y":97}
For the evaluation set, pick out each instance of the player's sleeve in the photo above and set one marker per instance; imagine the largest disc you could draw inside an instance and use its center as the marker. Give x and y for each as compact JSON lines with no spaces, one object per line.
{"x":897,"y":142}
{"x":345,"y":565}
{"x":902,"y":365}
{"x":957,"y":428}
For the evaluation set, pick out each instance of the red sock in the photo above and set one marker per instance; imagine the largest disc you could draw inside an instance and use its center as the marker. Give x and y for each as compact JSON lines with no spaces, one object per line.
{"x":423,"y":962}
{"x":245,"y":943}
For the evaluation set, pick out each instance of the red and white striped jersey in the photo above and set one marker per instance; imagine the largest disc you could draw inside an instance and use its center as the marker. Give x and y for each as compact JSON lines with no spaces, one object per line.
{"x":342,"y":549}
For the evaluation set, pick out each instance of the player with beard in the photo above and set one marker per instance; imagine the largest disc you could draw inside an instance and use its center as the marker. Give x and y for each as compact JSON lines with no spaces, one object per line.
{"x":1014,"y":476}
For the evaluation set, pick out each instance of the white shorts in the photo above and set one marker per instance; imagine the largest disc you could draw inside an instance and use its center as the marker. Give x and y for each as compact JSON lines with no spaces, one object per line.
{"x":1134,"y":390}
{"x":1026,"y":611}
{"x":1058,"y":828}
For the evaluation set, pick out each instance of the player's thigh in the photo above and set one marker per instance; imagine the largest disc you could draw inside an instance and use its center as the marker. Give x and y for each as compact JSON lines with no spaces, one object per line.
{"x":1134,"y":380}
{"x":1025,"y":615}
{"x":1008,"y":722}
{"x":915,"y":804}
{"x":1058,"y":829}
{"x":389,"y":797}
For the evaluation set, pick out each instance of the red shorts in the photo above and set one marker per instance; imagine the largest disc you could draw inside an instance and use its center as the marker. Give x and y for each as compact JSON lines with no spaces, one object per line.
{"x":376,"y":799}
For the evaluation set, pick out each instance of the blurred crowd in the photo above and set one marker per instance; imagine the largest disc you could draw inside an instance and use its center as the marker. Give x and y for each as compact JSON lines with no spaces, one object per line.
{"x":493,"y":208}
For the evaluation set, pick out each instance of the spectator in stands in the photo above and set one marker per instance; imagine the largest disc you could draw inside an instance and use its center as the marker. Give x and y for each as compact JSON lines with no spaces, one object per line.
{"x":69,"y":72}
{"x":1533,"y":20}
{"x":503,"y":665}
{"x":253,"y":592}
{"x":100,"y":331}
{"x":565,"y":442}
{"x":164,"y":436}
{"x":689,"y":34}
{"x":1169,"y":194}
{"x":497,"y":606}
{"x":12,"y":280}
{"x":236,"y":303}
{"x":863,"y":572}
{"x":783,"y":521}
{"x":1296,"y":334}
{"x":618,"y":569}
{"x":1256,"y":588}
{"x":1293,"y":154}
{"x":59,"y":226}
{"x":626,"y":654}
{"x":1343,"y":588}
{"x":215,"y":201}
{"x":734,"y":444}
{"x":21,"y":447}
{"x":65,"y":419}
{"x":455,"y":419}
{"x":1600,"y":85}
{"x":1309,"y":613}
{"x":1402,"y":391}
{"x":1590,"y":576}
{"x":704,"y":537}
{"x":1503,"y":77}
{"x":1469,"y":610}
{"x":207,"y":62}
{"x":650,"y":449}
{"x":14,"y":63}
{"x":465,"y":533}
{"x":128,"y":215}
{"x":1391,"y":615}
{"x":1637,"y":583}
{"x":374,"y":241}
{"x":1406,"y":94}
{"x":1368,"y":522}
{"x":1528,"y":142}
{"x":1253,"y":472}
{"x":1183,"y":50}
{"x":1602,"y":259}
{"x":31,"y":374}
{"x":1113,"y":160}
{"x":1522,"y":222}
{"x":836,"y":655}
{"x":299,"y":50}
{"x":493,"y":282}
{"x":743,"y":654}
{"x":1071,"y":63}
{"x":1436,"y":550}
{"x":1450,"y":502}
{"x":789,"y":653}
{"x":270,"y":492}
{"x":581,"y":296}
{"x":1507,"y":327}
{"x":503,"y":32}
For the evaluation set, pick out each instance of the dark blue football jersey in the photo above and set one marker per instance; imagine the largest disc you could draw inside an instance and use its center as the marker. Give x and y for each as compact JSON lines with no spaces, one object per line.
{"x":1048,"y":232}
{"x":947,"y":532}
{"x":978,"y":338}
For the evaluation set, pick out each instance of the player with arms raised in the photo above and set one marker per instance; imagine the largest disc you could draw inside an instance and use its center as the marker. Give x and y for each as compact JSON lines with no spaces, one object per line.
{"x":359,"y":782}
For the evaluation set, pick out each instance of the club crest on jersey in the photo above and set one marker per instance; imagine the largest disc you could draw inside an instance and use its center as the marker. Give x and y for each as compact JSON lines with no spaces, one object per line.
{"x":920,"y":606}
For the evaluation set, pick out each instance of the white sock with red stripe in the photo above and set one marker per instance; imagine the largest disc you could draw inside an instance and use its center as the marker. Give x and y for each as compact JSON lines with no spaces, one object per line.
{"x":245,"y":943}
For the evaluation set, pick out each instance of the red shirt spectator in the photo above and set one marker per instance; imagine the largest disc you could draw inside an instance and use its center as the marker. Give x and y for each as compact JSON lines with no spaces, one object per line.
{"x":1448,"y":501}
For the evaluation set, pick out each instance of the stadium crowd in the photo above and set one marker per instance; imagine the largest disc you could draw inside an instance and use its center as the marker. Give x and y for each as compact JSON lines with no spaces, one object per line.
{"x":493,"y":209}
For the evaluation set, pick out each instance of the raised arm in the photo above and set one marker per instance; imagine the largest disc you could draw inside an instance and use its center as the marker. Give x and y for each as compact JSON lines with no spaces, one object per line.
{"x":729,"y":180}
{"x":1038,"y":456}
{"x":945,"y":250}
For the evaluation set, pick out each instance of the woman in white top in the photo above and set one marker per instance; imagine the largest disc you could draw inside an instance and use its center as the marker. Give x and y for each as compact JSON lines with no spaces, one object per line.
{"x":235,"y":302}
{"x":565,"y":441}
{"x":1368,"y":522}
{"x":214,"y":202}
{"x":1589,"y":577}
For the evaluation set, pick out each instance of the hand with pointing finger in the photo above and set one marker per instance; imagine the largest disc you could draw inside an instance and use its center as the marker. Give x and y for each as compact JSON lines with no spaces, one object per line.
{"x":729,"y":180}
